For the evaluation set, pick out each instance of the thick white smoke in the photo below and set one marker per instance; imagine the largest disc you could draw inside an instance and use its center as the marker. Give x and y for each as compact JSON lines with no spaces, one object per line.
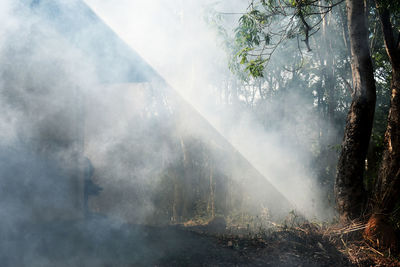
{"x":174,"y":38}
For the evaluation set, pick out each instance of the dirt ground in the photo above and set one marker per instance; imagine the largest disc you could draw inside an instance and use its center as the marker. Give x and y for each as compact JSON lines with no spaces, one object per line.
{"x":105,"y":243}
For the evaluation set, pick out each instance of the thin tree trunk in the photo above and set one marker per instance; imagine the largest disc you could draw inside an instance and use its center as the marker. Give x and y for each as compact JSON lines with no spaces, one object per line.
{"x":176,"y":201}
{"x":349,"y":187}
{"x":185,"y":187}
{"x":211,"y":198}
{"x":329,"y":70}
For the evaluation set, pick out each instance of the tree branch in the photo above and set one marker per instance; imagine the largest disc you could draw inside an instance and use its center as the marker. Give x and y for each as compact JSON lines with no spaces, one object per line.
{"x":307,"y":27}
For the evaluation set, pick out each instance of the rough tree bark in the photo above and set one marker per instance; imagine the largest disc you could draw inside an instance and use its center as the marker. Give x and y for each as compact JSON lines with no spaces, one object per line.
{"x":349,"y":187}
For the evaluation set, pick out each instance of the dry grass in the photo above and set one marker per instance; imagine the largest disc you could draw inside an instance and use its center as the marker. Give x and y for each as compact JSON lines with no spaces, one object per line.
{"x":349,"y":240}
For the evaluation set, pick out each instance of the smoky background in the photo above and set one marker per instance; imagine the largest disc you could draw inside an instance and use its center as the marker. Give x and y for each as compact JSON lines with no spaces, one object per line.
{"x":190,"y":50}
{"x":167,"y":142}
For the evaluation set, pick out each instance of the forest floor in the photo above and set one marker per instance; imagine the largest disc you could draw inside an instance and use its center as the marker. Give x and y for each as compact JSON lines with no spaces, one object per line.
{"x":105,"y":243}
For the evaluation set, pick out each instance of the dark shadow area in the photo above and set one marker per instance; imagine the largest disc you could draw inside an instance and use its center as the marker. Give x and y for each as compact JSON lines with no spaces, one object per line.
{"x":103,"y":242}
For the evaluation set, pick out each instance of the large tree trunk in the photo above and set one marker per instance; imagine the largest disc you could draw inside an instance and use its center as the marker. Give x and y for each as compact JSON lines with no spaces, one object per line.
{"x":388,"y":183}
{"x":349,"y":187}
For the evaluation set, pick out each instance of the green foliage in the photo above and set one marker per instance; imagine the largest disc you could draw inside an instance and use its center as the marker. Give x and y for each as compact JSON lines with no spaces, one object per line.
{"x":247,"y":32}
{"x":256,"y":67}
{"x":393,"y":6}
{"x":268,"y":24}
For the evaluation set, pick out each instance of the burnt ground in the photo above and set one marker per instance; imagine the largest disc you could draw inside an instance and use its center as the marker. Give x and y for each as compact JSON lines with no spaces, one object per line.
{"x":105,"y":243}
